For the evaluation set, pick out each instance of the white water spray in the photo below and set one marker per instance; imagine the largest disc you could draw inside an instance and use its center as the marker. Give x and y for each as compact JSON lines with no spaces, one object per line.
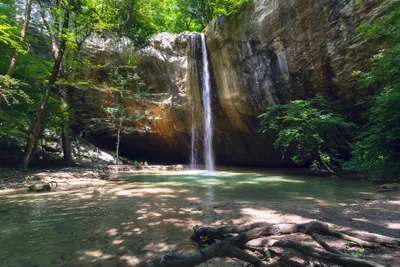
{"x":208,"y":121}
{"x":193,"y":144}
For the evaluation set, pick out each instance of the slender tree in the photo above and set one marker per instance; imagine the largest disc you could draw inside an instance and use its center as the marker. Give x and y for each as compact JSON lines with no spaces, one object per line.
{"x":58,"y":48}
{"x":66,"y":144}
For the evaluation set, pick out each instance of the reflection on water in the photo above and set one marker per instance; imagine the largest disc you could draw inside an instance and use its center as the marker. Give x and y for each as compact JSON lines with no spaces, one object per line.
{"x":122,"y":222}
{"x":210,"y":194}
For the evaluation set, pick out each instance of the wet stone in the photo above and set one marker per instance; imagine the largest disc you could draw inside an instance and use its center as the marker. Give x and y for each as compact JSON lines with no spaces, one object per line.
{"x":39,"y":187}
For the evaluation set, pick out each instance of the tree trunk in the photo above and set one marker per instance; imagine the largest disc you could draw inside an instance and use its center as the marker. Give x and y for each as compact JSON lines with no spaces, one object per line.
{"x":118,"y":142}
{"x":30,"y":146}
{"x":66,"y":146}
{"x":43,"y":152}
{"x":24,"y":32}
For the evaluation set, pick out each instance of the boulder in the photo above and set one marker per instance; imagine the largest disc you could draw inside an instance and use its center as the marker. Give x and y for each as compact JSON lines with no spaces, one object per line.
{"x":39,"y":187}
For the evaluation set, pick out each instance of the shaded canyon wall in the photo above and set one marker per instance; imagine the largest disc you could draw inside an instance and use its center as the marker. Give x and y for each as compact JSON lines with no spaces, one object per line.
{"x":269,"y":52}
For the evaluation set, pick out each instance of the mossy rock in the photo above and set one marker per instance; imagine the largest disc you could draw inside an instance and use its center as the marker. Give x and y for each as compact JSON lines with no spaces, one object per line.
{"x":39,"y":187}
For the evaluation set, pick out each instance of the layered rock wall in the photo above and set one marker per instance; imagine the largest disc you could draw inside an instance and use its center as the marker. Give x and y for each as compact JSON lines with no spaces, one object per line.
{"x":269,"y":52}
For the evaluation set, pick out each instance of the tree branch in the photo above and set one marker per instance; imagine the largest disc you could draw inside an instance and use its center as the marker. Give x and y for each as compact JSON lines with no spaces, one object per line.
{"x":229,"y":239}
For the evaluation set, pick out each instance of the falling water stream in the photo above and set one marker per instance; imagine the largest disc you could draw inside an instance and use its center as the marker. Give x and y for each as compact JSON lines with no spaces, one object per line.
{"x":208,"y":121}
{"x":194,"y":132}
{"x":207,"y":112}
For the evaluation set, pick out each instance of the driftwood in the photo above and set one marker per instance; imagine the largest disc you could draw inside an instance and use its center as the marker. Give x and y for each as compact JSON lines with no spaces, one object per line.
{"x":232,"y":241}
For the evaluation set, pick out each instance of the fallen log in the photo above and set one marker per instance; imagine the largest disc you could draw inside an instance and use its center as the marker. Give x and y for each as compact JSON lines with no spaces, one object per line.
{"x":231,"y":241}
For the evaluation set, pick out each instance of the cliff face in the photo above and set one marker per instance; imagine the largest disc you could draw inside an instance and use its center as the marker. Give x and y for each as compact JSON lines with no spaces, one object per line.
{"x":269,"y":52}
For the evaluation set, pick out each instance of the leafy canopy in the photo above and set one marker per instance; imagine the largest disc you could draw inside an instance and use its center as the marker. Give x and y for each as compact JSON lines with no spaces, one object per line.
{"x":139,"y":19}
{"x":9,"y":28}
{"x":313,"y":128}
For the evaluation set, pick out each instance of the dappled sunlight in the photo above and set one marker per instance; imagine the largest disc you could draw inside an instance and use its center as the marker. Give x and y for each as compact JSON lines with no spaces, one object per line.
{"x":168,"y":196}
{"x":149,"y":215}
{"x":232,"y":174}
{"x":211,"y":181}
{"x":252,"y":215}
{"x":361,"y":220}
{"x":248,"y":182}
{"x":181,"y":223}
{"x":12,"y":192}
{"x":188,"y":211}
{"x":159,"y":247}
{"x":270,"y":179}
{"x":395,"y":226}
{"x":136,"y":230}
{"x":321,"y":202}
{"x":112,"y":232}
{"x":394,"y":202}
{"x":142,"y":191}
{"x":194,"y":199}
{"x":93,"y":255}
{"x":130,"y":260}
{"x":114,"y":222}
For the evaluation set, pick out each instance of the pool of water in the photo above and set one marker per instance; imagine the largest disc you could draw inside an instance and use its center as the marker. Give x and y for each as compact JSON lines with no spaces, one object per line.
{"x":250,"y":186}
{"x":119,"y":223}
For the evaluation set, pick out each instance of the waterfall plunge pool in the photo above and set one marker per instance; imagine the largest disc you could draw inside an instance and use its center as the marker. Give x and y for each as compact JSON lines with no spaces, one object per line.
{"x":120,"y":223}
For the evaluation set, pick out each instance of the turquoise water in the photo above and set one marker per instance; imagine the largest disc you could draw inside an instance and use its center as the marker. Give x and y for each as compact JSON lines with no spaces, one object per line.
{"x":267,"y":186}
{"x":119,"y":223}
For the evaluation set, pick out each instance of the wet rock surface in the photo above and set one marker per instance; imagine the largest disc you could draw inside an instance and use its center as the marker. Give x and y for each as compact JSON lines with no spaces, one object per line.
{"x":39,"y":187}
{"x":269,"y":52}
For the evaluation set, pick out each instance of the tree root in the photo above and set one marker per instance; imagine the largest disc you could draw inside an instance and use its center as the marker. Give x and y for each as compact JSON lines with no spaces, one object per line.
{"x":231,"y":241}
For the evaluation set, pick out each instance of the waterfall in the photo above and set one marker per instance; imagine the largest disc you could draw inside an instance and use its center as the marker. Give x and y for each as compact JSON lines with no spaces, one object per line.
{"x":193,"y":149}
{"x":193,"y":143}
{"x":205,"y":88}
{"x":208,"y":121}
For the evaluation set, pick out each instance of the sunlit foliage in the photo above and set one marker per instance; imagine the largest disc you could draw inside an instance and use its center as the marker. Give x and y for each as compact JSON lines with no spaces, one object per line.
{"x":139,"y":19}
{"x":317,"y":132}
{"x":313,"y":128}
{"x":377,"y":150}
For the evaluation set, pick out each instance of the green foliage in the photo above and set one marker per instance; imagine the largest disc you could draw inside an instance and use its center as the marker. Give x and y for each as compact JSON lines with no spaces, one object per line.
{"x":9,"y":28}
{"x":13,"y":90}
{"x":204,"y":241}
{"x":139,"y":164}
{"x":141,"y":19}
{"x":357,"y":254}
{"x":197,"y":14}
{"x":313,"y":127}
{"x":386,"y":30}
{"x":377,"y":150}
{"x":13,"y":126}
{"x":318,"y":132}
{"x":118,"y":116}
